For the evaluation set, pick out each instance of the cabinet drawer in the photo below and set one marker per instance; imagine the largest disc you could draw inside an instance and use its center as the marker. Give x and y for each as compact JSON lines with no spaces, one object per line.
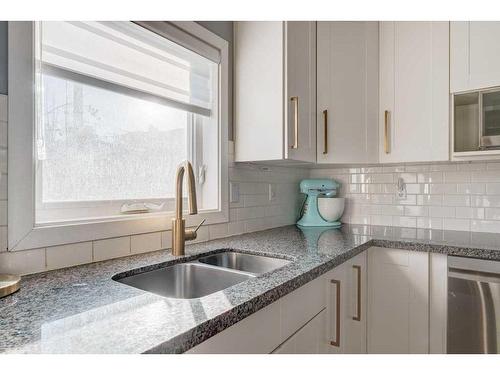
{"x":298,"y":307}
{"x":265,"y":330}
{"x":308,"y":340}
{"x":395,"y":257}
{"x":257,"y":334}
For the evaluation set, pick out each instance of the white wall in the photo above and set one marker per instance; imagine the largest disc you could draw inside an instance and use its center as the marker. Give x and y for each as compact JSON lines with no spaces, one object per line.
{"x":453,"y":196}
{"x":253,"y":212}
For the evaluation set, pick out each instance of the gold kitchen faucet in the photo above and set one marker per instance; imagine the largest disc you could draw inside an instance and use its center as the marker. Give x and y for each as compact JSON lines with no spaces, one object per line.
{"x":179,"y":232}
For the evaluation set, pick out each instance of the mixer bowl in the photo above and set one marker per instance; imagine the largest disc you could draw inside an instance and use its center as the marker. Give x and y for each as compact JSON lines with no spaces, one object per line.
{"x":331,"y":209}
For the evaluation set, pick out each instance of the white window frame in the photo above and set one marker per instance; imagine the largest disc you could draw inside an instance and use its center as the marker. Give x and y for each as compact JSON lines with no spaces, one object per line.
{"x":22,"y":232}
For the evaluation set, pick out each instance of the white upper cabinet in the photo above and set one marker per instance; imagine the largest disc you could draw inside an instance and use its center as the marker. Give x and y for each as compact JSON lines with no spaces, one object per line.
{"x":301,"y":87}
{"x":414,"y":91}
{"x":474,"y":55}
{"x":275,"y":91}
{"x":347,"y":87}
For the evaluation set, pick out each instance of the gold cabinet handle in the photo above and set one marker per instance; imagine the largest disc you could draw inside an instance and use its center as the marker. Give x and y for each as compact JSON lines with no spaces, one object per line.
{"x":358,"y":298}
{"x":336,"y":342}
{"x":325,"y":124}
{"x":295,"y":101}
{"x":386,"y":132}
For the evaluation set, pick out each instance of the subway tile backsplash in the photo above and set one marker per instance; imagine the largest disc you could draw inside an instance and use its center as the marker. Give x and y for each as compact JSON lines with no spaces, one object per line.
{"x":455,"y":196}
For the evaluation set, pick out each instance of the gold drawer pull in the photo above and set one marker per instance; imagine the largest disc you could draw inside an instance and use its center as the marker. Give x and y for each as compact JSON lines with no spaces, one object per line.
{"x":386,"y":132}
{"x":336,"y":342}
{"x":295,"y":101}
{"x":325,"y":124}
{"x":358,"y":302}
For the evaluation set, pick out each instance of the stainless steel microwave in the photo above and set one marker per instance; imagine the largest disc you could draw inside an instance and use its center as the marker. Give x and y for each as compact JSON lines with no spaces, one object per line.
{"x":477,"y":120}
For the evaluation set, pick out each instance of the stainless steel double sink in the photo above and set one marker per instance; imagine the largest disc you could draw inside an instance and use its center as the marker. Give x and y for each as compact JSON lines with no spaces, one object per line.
{"x":203,"y":276}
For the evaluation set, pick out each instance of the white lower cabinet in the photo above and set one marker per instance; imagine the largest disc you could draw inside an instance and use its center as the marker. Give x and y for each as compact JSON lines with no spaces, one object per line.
{"x":355,"y":305}
{"x":297,"y":315}
{"x":383,"y":300}
{"x":398,"y":301}
{"x":346,"y":307}
{"x":335,"y":281}
{"x":307,"y":340}
{"x":300,"y":306}
{"x":257,"y":334}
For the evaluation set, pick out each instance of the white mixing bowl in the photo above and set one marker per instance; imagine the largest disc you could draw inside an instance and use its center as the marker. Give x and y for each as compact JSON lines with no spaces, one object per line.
{"x":331,"y":209}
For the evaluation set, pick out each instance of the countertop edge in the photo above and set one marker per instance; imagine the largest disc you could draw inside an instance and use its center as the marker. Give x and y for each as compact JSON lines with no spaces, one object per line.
{"x":452,"y":250}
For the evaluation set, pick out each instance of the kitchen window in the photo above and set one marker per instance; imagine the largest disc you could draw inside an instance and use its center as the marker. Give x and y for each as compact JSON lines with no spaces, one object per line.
{"x":116,"y":106}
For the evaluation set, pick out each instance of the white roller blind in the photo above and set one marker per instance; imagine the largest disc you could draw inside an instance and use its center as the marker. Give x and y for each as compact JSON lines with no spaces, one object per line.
{"x":128,"y":56}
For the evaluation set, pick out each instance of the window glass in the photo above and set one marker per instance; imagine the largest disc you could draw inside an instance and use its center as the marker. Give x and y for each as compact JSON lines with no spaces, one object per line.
{"x":118,"y":109}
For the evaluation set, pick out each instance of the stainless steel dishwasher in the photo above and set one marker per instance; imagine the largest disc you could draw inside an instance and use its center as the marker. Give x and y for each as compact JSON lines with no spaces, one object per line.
{"x":473,"y":324}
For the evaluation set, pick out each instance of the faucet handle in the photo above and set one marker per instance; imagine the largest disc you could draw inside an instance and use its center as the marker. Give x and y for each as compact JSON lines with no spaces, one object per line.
{"x":191,"y":233}
{"x":199,"y":225}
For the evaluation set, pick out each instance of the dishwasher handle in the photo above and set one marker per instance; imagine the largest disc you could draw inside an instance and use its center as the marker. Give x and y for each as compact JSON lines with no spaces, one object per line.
{"x":480,"y":276}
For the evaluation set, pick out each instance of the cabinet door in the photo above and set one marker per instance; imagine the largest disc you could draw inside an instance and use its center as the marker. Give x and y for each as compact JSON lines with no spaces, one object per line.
{"x":300,"y":97}
{"x":300,"y":306}
{"x":474,"y":55}
{"x":346,"y":307}
{"x":414,"y":91}
{"x":288,"y":347}
{"x":386,"y":90}
{"x":258,"y":90}
{"x":307,"y":340}
{"x":347,"y":92}
{"x":398,"y":301}
{"x":355,"y":305}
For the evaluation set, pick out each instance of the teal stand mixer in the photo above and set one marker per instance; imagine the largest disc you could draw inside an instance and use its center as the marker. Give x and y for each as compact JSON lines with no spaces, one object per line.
{"x":321,"y":208}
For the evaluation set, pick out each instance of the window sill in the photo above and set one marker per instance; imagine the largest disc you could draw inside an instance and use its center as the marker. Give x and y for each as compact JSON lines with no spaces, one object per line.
{"x":53,"y":235}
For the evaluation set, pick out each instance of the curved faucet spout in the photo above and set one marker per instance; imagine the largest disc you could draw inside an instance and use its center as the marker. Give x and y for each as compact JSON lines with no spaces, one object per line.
{"x":179,"y":233}
{"x":179,"y":177}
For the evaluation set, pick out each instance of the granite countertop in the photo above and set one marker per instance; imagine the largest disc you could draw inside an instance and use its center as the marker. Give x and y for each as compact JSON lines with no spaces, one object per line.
{"x":82,"y":310}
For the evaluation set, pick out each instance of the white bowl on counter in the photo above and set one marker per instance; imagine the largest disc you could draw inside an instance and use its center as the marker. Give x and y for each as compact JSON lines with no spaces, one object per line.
{"x":331,"y":209}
